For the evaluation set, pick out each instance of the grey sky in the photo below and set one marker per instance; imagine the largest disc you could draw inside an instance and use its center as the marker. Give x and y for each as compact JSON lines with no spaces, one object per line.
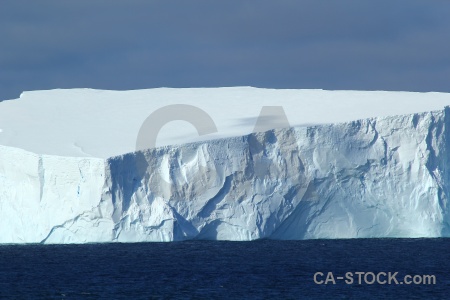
{"x":364,"y":45}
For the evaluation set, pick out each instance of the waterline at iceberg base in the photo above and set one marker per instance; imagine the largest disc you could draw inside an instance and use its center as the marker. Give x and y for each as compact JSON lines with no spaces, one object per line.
{"x":376,"y":177}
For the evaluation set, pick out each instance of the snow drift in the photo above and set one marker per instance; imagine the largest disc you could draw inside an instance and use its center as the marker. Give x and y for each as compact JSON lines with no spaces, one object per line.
{"x":375,"y":177}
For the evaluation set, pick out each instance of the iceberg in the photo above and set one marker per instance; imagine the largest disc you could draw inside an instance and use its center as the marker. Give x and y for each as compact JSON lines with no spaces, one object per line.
{"x":350,"y":164}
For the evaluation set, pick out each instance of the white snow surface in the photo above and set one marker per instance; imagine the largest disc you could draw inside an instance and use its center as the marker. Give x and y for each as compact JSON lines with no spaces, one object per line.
{"x":102,"y":124}
{"x":352,"y":165}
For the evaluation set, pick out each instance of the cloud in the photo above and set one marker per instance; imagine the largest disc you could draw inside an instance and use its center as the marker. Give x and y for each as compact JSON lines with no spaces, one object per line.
{"x":350,"y":44}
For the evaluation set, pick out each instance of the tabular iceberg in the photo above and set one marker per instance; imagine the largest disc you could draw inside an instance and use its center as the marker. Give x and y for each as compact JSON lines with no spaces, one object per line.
{"x":375,"y":177}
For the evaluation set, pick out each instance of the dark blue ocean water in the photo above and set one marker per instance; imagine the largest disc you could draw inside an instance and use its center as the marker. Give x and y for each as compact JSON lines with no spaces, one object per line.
{"x":223,"y":270}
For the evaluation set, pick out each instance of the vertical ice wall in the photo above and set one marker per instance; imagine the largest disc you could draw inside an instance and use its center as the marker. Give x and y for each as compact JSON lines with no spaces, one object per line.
{"x":50,"y":198}
{"x":378,"y":177}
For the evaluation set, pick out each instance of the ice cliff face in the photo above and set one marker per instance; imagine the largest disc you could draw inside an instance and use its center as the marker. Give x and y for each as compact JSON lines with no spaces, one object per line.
{"x":377,"y":177}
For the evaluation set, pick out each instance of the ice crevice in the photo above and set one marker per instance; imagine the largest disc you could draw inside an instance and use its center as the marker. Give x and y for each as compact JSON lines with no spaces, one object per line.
{"x":94,"y":215}
{"x":41,"y":178}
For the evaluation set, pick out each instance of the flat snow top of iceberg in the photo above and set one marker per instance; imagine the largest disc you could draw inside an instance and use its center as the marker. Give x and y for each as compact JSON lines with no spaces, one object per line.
{"x":99,"y":123}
